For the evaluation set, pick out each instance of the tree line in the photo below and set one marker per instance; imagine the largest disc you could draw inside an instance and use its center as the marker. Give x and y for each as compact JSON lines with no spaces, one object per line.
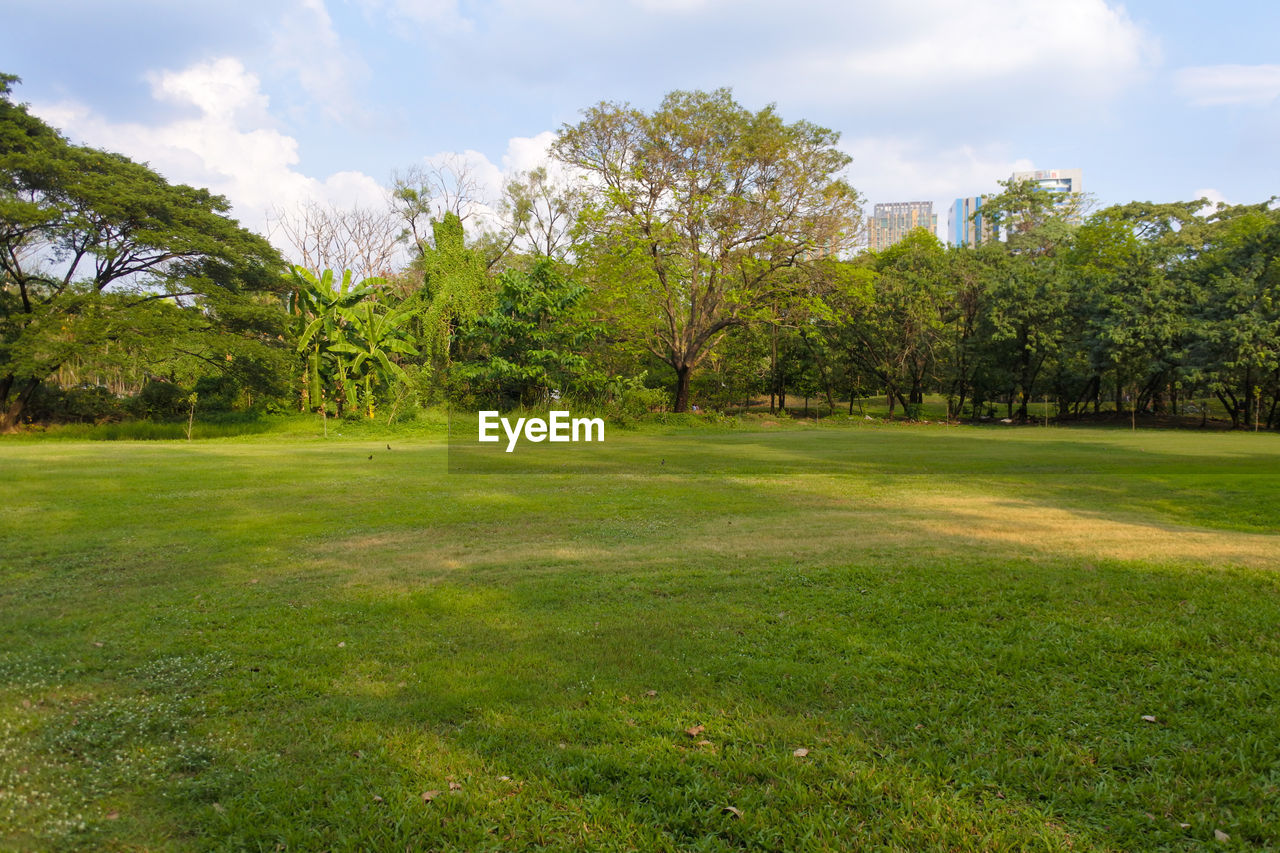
{"x":701,"y":254}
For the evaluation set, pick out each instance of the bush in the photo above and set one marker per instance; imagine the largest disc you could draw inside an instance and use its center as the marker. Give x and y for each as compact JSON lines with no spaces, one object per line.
{"x":159,"y":400}
{"x":629,"y":399}
{"x":87,"y":404}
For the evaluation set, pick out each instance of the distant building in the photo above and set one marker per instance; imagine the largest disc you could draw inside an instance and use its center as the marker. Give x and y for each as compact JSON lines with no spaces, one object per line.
{"x":964,"y":228}
{"x":1063,"y":182}
{"x":891,"y":222}
{"x":1055,"y":180}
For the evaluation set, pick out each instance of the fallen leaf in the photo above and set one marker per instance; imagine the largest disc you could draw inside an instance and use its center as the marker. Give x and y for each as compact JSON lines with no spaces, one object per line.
{"x":1147,"y":718}
{"x":255,"y":580}
{"x":651,"y":693}
{"x":113,"y":816}
{"x":626,"y":698}
{"x":504,"y":778}
{"x":342,"y":645}
{"x":695,"y":731}
{"x":730,"y":810}
{"x":1184,"y":825}
{"x":1219,"y":835}
{"x":219,"y":808}
{"x":801,"y":752}
{"x":428,"y":796}
{"x":455,"y":786}
{"x":377,"y":799}
{"x":98,"y":645}
{"x":563,"y":745}
{"x":919,"y":726}
{"x":1149,"y":815}
{"x":705,"y":743}
{"x":630,"y":722}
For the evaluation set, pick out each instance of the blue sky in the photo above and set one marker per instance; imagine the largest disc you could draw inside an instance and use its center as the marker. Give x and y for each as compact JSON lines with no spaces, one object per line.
{"x":275,"y":102}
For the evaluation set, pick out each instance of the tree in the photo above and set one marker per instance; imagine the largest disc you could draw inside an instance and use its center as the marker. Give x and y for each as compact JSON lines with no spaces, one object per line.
{"x":1234,"y":343}
{"x":1027,"y":290}
{"x":320,"y":308}
{"x":455,"y":287}
{"x":88,"y":238}
{"x":532,"y":341}
{"x":542,"y":213}
{"x":374,"y":339}
{"x":693,"y":210}
{"x":362,"y":239}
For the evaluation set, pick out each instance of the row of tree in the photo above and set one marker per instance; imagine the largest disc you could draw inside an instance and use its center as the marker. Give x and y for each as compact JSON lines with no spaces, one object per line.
{"x":701,"y":253}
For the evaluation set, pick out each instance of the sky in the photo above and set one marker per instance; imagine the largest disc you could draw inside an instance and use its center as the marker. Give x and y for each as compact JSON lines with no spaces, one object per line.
{"x":274,"y":103}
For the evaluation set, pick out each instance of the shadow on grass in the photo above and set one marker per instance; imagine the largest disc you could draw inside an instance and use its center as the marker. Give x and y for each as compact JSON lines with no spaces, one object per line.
{"x":382,"y":626}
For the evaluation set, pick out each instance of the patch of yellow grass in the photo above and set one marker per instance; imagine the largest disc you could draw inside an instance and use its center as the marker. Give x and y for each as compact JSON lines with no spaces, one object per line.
{"x":1036,"y":527}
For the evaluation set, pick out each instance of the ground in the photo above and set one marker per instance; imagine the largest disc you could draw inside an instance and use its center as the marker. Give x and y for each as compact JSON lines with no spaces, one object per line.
{"x":894,"y":637}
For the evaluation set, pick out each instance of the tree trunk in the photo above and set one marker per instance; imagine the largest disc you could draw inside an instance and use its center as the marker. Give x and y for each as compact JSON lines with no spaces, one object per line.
{"x":682,"y":388}
{"x":773,"y":371}
{"x":11,"y":411}
{"x":1232,"y":407}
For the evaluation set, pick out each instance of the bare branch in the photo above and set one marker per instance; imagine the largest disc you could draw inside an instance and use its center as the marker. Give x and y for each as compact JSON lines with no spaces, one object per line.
{"x":361,"y":239}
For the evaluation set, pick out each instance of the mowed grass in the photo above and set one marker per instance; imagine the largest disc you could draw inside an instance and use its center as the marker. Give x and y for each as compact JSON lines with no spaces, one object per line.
{"x":270,"y":644}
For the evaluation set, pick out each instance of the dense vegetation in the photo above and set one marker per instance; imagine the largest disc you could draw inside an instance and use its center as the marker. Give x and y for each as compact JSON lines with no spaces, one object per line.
{"x":701,"y":249}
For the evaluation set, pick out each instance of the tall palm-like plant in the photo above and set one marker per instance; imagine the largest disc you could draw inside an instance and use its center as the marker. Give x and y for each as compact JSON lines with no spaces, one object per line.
{"x":320,"y":307}
{"x":375,"y":336}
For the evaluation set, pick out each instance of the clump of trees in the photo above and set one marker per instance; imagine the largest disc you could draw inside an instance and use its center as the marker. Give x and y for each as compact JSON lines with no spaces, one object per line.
{"x":699,"y":254}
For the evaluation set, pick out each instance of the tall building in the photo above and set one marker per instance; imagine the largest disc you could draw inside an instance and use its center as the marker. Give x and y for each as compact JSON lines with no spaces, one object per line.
{"x":891,"y":222}
{"x":963,"y":227}
{"x":1055,"y":180}
{"x":1065,"y":183}
{"x":966,"y":226}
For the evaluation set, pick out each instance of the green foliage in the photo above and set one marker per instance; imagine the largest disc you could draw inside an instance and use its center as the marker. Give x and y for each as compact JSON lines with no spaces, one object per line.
{"x":89,"y":243}
{"x":694,"y":212}
{"x":530,"y":344}
{"x":455,"y":290}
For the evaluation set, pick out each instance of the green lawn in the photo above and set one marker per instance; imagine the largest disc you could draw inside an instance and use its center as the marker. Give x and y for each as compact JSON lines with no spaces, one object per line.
{"x":277,"y":643}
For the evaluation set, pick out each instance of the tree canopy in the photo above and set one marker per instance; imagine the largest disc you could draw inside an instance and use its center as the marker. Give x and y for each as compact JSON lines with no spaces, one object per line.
{"x":88,"y":238}
{"x":693,"y":210}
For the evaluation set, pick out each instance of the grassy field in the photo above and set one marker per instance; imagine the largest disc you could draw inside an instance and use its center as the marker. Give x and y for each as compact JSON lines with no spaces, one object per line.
{"x":792,"y":638}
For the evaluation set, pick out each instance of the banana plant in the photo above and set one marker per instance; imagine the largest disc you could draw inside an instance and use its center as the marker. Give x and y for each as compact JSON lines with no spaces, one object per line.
{"x":376,"y":336}
{"x":320,"y":307}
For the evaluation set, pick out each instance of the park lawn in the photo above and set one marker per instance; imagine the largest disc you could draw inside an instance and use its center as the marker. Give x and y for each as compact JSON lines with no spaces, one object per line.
{"x":277,"y":644}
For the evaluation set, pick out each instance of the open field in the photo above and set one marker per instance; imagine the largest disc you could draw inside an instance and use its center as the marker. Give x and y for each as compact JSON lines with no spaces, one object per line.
{"x":275,"y":643}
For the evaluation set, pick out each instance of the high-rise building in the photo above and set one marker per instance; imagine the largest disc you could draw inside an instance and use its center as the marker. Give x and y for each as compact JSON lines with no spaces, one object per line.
{"x":964,"y":228}
{"x":891,"y":222}
{"x":1055,"y":180}
{"x":1065,"y":183}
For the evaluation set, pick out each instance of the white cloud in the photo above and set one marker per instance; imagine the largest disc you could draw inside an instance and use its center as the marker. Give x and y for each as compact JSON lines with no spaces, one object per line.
{"x":685,"y":7}
{"x":1214,"y":197}
{"x":438,"y":16}
{"x":306,"y":45}
{"x":1040,"y":51}
{"x":528,"y":152}
{"x":1216,"y":85}
{"x":229,"y":147}
{"x":485,"y":179}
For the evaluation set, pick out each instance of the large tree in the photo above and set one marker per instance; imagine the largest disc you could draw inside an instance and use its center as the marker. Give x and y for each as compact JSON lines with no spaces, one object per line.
{"x":693,"y":210}
{"x":89,"y":238}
